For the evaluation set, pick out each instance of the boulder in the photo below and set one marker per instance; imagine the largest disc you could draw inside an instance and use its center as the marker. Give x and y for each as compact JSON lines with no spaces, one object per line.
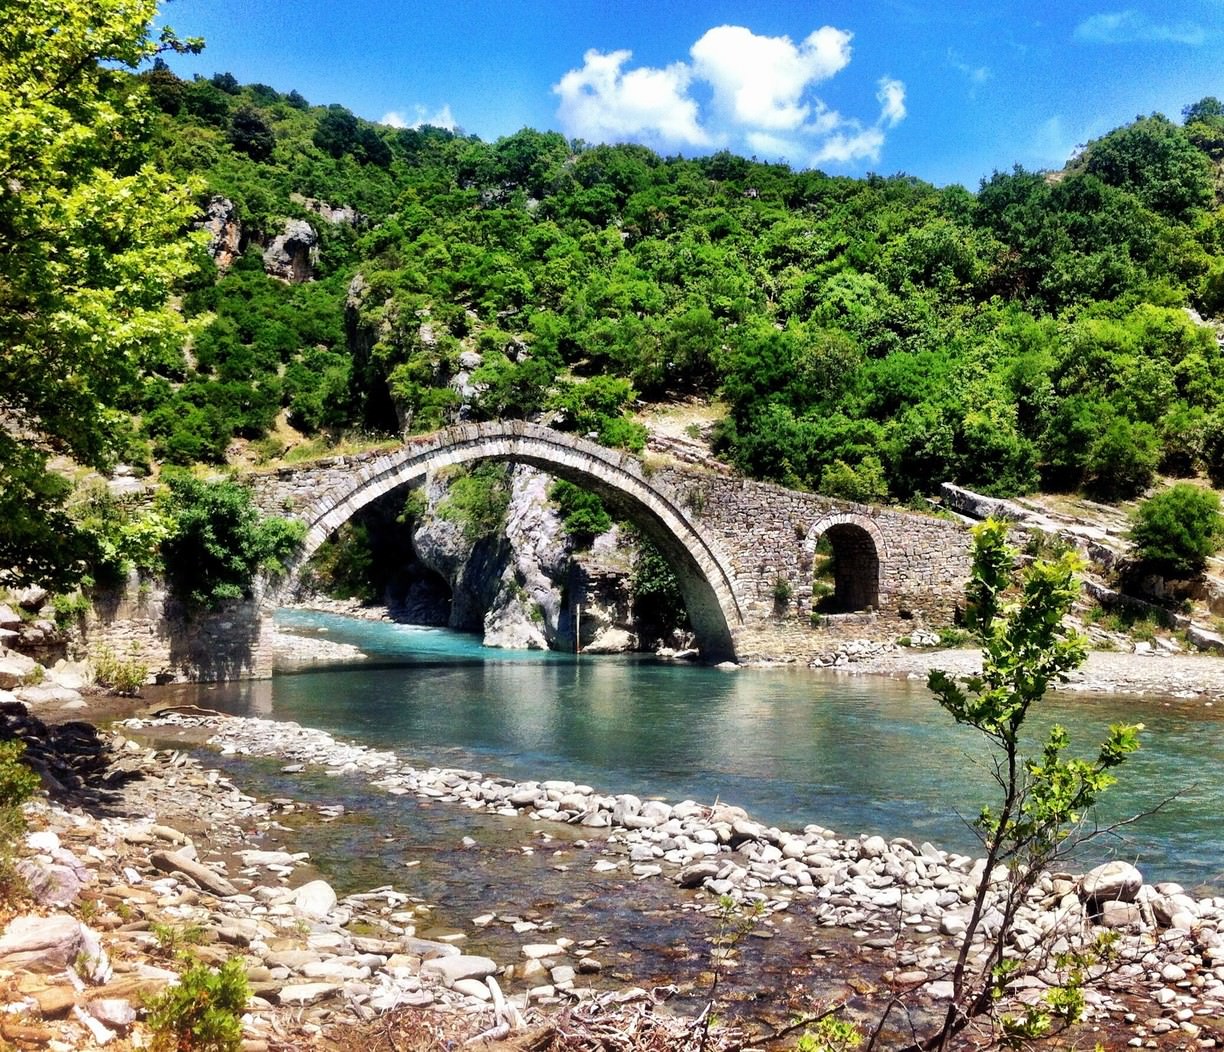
{"x":31,"y":598}
{"x":1120,"y":915}
{"x":306,"y":993}
{"x":292,"y":254}
{"x":9,"y":618}
{"x":611,"y":641}
{"x":15,"y":669}
{"x":697,"y":873}
{"x":315,"y":900}
{"x":462,"y":966}
{"x":114,"y":1012}
{"x":50,"y":885}
{"x":50,"y":944}
{"x":1117,"y":880}
{"x":206,"y":878}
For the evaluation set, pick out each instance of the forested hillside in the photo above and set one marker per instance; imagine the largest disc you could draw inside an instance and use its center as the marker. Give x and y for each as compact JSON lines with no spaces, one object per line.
{"x":870,"y":338}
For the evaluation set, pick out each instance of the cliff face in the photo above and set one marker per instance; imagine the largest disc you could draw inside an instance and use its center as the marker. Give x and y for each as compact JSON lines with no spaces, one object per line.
{"x":518,"y":583}
{"x":510,"y":586}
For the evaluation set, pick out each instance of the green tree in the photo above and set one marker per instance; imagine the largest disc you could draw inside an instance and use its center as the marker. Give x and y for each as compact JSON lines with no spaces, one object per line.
{"x":1155,"y":160}
{"x":1026,"y":648}
{"x":219,"y":542}
{"x":1178,"y":529}
{"x":251,"y":134}
{"x":583,"y":515}
{"x":91,"y":247}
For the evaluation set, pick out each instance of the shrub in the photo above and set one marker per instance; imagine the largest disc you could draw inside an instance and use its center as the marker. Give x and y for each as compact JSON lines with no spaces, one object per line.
{"x":69,"y":609}
{"x":864,"y":484}
{"x":17,"y":784}
{"x":477,"y":501}
{"x":116,"y":674}
{"x":583,"y":515}
{"x":203,"y":1012}
{"x":1178,"y":529}
{"x":220,"y":541}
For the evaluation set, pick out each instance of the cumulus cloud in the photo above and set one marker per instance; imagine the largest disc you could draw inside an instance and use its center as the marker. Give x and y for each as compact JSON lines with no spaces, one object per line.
{"x":1131,"y":27}
{"x":759,"y":81}
{"x":601,"y":101}
{"x":759,"y":91}
{"x":891,"y":97}
{"x":442,"y":118}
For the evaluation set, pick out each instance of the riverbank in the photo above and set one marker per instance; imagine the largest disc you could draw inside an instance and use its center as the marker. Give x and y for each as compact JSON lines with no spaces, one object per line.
{"x":1157,"y":673}
{"x":908,"y":903}
{"x":163,"y":844}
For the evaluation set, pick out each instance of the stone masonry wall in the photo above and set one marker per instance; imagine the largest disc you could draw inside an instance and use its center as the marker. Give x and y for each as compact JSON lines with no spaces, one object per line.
{"x":761,"y":536}
{"x":770,"y":535}
{"x":140,"y":622}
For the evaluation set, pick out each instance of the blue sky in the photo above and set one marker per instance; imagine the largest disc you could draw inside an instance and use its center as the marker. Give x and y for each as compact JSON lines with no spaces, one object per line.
{"x":945,"y":91}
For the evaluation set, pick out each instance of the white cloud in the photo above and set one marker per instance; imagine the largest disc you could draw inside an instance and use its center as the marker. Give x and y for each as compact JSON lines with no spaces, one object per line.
{"x":602,"y":102}
{"x":891,"y":97}
{"x":759,"y":81}
{"x":761,"y":98}
{"x":1131,"y":27}
{"x":846,"y":147}
{"x":442,"y":118}
{"x":769,"y":145}
{"x":976,"y":75}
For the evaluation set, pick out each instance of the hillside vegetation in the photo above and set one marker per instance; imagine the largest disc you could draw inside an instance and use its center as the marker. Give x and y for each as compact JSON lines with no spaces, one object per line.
{"x":870,"y":338}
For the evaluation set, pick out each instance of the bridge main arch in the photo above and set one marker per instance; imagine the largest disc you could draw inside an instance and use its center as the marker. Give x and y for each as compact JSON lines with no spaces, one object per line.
{"x":703,"y":572}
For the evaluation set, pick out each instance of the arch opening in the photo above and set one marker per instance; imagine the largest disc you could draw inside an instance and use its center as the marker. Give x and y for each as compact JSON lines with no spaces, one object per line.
{"x":371,"y":560}
{"x":849,"y":570}
{"x":705,"y":580}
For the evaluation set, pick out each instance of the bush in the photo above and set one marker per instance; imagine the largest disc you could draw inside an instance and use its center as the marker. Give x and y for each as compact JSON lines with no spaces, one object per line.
{"x":116,"y":674}
{"x":203,"y":1012}
{"x":220,"y":541}
{"x":17,"y":784}
{"x":1178,"y":529}
{"x":864,"y":484}
{"x":477,"y":501}
{"x":658,"y":604}
{"x":583,"y":515}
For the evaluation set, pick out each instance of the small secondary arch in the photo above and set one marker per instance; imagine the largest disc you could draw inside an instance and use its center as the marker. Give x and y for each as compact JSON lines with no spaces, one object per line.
{"x":859,"y":556}
{"x":704,"y":576}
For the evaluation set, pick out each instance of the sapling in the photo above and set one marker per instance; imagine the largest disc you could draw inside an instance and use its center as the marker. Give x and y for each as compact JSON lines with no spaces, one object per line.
{"x":1016,"y":618}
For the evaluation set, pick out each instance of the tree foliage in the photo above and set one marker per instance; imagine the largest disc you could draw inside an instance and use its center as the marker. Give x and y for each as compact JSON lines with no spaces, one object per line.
{"x":219,"y":542}
{"x":91,"y":246}
{"x":1178,"y":529}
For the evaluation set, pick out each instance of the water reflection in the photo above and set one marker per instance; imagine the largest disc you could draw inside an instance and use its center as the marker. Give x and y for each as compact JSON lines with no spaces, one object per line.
{"x":858,"y":755}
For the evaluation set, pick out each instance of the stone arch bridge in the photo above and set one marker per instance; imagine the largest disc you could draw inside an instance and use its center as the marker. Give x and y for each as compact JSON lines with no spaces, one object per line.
{"x":744,"y":552}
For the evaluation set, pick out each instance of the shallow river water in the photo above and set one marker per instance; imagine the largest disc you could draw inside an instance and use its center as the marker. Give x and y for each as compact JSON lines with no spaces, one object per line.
{"x":855,"y":754}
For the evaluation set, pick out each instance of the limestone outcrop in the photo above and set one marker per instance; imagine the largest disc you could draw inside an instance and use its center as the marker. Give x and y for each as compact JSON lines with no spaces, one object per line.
{"x":292,"y":254}
{"x":224,"y":231}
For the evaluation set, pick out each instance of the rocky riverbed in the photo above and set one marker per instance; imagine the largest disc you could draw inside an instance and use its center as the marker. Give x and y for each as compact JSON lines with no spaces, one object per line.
{"x":907,"y":902}
{"x":144,"y":847}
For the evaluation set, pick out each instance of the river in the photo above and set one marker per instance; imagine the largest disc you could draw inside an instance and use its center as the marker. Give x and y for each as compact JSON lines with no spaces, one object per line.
{"x":855,"y":754}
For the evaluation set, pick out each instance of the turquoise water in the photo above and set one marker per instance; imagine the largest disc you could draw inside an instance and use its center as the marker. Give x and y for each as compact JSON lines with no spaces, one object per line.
{"x":857,"y":754}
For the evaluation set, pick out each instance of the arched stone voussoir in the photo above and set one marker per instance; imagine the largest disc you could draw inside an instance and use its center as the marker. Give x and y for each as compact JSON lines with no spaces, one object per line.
{"x":704,"y":572}
{"x":863,"y":521}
